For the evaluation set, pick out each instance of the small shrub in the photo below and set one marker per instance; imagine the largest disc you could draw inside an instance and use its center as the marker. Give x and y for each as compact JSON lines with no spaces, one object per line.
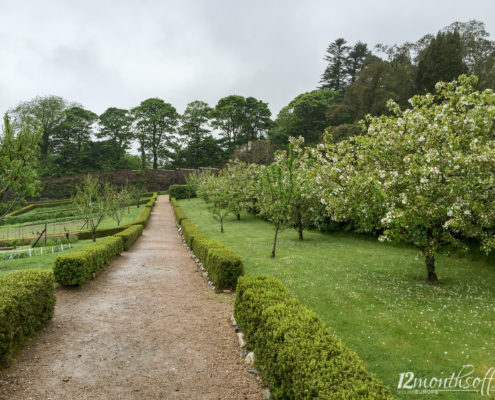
{"x":27,"y":301}
{"x":130,"y":235}
{"x":224,"y":267}
{"x":76,"y":267}
{"x":182,"y":192}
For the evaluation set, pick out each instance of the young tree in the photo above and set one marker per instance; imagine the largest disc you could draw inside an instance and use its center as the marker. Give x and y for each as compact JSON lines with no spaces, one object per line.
{"x":239,"y":183}
{"x":118,"y":199}
{"x":423,"y":175}
{"x":274,"y":193}
{"x":213,"y":190}
{"x":92,"y":202}
{"x":18,"y":152}
{"x":156,"y":123}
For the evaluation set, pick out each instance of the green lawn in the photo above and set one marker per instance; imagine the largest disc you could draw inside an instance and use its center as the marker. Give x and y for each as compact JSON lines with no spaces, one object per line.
{"x":14,"y":232}
{"x":372,"y":295}
{"x":45,"y":261}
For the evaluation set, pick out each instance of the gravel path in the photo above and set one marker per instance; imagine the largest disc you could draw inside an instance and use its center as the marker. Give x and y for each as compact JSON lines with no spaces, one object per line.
{"x":148,"y":327}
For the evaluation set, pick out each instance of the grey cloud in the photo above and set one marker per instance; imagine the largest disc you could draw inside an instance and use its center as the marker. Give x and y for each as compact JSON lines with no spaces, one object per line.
{"x":118,"y":53}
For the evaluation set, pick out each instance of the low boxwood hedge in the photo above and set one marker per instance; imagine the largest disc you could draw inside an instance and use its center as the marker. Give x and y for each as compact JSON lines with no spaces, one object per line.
{"x":297,"y":354}
{"x":224,"y":267}
{"x":130,"y":235}
{"x":190,"y":232}
{"x":181,"y":192}
{"x":179,"y":214}
{"x":100,"y":233}
{"x":76,"y":267}
{"x":27,"y":301}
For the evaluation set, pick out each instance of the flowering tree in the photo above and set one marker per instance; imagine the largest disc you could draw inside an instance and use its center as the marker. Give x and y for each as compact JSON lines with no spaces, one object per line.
{"x":423,"y":175}
{"x":240,"y":183}
{"x":213,"y":189}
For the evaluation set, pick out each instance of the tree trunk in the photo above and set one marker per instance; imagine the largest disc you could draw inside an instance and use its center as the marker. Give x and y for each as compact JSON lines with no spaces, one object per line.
{"x":238,"y":217}
{"x":221,"y":224}
{"x":155,"y":160}
{"x":93,"y":234}
{"x":143,"y":160}
{"x":300,"y":227}
{"x":275,"y":242}
{"x":431,"y":276}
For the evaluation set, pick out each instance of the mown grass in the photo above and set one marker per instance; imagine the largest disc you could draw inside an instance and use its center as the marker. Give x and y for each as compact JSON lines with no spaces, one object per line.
{"x":13,"y":231}
{"x":373,"y":296}
{"x":44,"y":262}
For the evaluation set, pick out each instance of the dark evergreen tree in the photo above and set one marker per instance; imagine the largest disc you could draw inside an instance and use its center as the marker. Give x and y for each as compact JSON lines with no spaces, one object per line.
{"x":355,"y":60}
{"x":335,"y":75}
{"x":441,"y":60}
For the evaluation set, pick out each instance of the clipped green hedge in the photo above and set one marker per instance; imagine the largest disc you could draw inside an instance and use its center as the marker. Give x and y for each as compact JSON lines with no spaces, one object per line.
{"x":179,"y":214}
{"x":130,"y":235}
{"x":22,"y":210}
{"x":224,"y":267}
{"x":76,"y":267}
{"x":27,"y":301}
{"x":297,"y":354}
{"x":102,"y":232}
{"x":201,"y":246}
{"x":190,"y":232}
{"x":143,"y":217}
{"x":41,"y":204}
{"x":181,"y":192}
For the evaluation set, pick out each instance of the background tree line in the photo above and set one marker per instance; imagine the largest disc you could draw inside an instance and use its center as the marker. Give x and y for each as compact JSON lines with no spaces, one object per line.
{"x":76,"y":140}
{"x":357,"y":81}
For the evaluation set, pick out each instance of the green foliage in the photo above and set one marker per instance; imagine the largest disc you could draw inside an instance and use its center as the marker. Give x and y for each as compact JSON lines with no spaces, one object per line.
{"x":102,"y":232}
{"x":298,"y":356}
{"x":241,"y":119}
{"x":144,"y":217}
{"x":18,"y":178}
{"x":93,"y":202}
{"x":76,"y":267}
{"x":179,"y":214}
{"x":201,"y":246}
{"x":222,"y":264}
{"x":371,"y":295}
{"x":27,"y":301}
{"x":130,"y":235}
{"x":441,"y":60}
{"x":224,"y":267}
{"x":253,"y":296}
{"x":305,"y":116}
{"x":423,"y":175}
{"x":182,"y":191}
{"x":190,"y":232}
{"x":156,"y":122}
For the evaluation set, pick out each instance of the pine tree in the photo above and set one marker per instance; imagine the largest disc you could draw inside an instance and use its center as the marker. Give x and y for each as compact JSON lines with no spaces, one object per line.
{"x":335,"y":75}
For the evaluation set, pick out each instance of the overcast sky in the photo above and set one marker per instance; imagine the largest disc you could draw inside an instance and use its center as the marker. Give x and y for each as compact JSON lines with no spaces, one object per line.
{"x":117,"y":53}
